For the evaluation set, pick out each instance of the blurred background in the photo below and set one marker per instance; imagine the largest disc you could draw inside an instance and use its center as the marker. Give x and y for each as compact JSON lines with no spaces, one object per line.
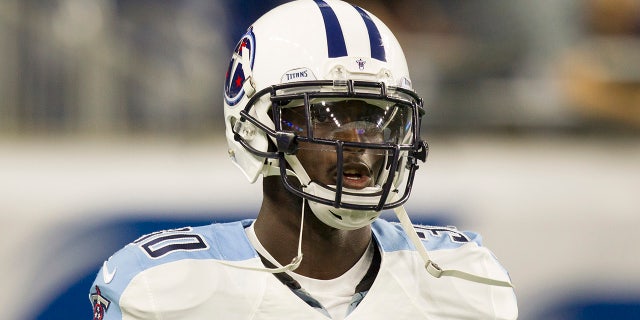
{"x":111,"y":127}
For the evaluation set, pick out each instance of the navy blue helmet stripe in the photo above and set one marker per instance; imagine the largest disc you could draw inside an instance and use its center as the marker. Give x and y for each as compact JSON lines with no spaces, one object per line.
{"x":335,"y":39}
{"x":375,"y":39}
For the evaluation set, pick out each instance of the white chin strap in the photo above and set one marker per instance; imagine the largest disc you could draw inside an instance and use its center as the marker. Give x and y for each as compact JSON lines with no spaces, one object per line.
{"x":431,"y":266}
{"x":295,"y":263}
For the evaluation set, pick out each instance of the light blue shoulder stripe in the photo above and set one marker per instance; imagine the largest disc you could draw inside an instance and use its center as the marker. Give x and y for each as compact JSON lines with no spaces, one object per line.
{"x":224,"y":241}
{"x":229,"y":240}
{"x":392,"y":237}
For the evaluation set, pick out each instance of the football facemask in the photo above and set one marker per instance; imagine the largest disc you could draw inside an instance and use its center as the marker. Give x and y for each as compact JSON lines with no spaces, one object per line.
{"x":345,"y":147}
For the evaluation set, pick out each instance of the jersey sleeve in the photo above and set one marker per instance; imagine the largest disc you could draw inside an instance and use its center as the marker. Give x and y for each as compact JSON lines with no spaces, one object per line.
{"x":118,"y":273}
{"x":157,"y":265}
{"x":109,"y":284}
{"x":452,"y":249}
{"x":463,"y":250}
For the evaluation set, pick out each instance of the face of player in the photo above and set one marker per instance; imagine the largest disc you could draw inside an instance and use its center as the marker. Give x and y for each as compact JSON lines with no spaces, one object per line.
{"x":357,"y":121}
{"x":360,"y":166}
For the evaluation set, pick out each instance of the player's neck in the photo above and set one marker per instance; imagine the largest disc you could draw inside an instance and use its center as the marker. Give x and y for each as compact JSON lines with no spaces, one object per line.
{"x":328,"y":252}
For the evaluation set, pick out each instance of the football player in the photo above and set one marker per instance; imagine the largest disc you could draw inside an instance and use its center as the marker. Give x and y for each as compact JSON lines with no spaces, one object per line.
{"x":319,"y":103}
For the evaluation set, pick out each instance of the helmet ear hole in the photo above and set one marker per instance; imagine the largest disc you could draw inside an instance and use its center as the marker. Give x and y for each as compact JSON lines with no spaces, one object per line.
{"x":232,"y":121}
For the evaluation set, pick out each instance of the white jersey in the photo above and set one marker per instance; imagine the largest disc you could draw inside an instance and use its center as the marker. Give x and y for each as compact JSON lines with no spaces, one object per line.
{"x":185,"y":274}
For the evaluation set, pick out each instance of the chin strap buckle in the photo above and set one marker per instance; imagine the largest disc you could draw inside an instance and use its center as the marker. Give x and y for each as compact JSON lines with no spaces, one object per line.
{"x":433,"y":269}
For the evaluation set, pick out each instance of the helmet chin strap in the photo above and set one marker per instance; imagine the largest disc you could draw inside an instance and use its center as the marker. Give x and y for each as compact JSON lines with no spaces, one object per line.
{"x":294,"y":264}
{"x":431,"y":266}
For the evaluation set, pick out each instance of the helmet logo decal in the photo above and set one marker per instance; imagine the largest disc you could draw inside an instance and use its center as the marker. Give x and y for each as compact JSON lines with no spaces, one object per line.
{"x":240,"y":68}
{"x":336,"y":44}
{"x":360,"y":63}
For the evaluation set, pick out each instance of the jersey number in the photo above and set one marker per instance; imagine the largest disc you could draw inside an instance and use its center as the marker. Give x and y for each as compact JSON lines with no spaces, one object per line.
{"x":165,"y":242}
{"x":454,"y":235}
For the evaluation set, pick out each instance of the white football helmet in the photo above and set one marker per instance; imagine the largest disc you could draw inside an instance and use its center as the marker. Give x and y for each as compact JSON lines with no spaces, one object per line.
{"x":318,"y":92}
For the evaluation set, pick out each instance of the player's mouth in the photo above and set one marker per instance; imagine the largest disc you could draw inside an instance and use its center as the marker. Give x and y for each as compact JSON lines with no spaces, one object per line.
{"x":356,"y":175}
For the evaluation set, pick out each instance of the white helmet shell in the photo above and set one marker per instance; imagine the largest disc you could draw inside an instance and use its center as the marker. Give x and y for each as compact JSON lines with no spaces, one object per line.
{"x":304,"y":41}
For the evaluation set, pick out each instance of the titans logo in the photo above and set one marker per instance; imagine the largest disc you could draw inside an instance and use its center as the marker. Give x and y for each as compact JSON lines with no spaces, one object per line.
{"x":239,"y":68}
{"x":100,"y":304}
